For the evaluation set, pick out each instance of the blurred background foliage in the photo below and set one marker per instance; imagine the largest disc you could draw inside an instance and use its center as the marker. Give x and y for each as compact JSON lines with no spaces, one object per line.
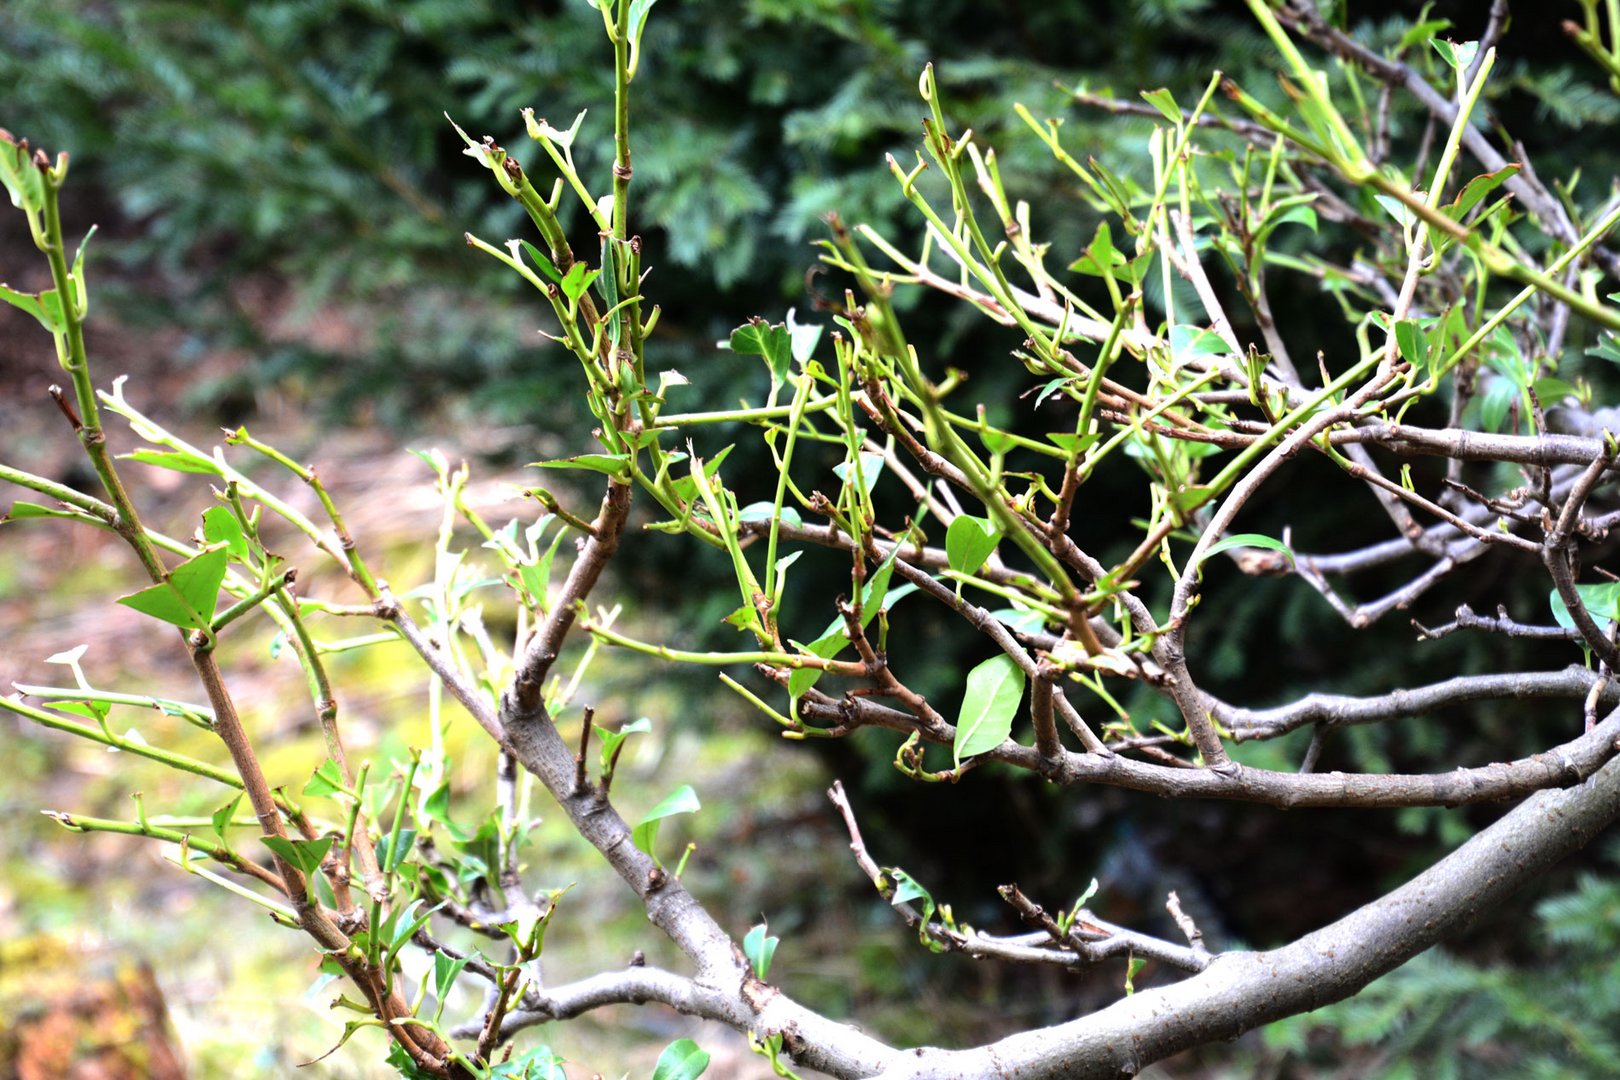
{"x":281,"y":195}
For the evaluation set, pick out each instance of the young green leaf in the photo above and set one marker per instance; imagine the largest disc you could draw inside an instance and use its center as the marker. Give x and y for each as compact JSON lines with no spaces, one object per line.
{"x":21,"y":176}
{"x":994,"y":689}
{"x":169,"y":459}
{"x":547,"y":267}
{"x":827,"y":646}
{"x":221,"y":819}
{"x":681,"y":1060}
{"x":306,"y":855}
{"x":1165,"y":102}
{"x":683,"y":800}
{"x":871,"y":469}
{"x":969,"y":542}
{"x":1242,"y":540}
{"x":907,"y":889}
{"x":45,"y":306}
{"x":445,"y":970}
{"x":1602,"y":601}
{"x":537,"y":1064}
{"x":764,"y":511}
{"x":759,"y":949}
{"x":1190,"y":342}
{"x":188,"y":598}
{"x":805,"y":337}
{"x":577,"y":280}
{"x":326,"y":780}
{"x":614,"y":465}
{"x":756,"y":337}
{"x":394,"y":849}
{"x":221,"y":527}
{"x":611,"y":739}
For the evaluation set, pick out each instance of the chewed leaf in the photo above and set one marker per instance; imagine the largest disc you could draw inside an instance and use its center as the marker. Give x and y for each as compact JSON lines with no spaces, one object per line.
{"x":775,"y":343}
{"x":871,"y":469}
{"x":188,"y":598}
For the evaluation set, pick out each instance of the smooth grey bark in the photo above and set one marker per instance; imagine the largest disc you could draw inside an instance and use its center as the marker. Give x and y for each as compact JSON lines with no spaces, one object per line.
{"x":1238,"y":992}
{"x":1242,"y":991}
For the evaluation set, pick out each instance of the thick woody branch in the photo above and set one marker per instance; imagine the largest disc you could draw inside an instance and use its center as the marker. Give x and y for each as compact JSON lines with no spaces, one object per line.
{"x":1560,"y":766}
{"x":1241,"y":991}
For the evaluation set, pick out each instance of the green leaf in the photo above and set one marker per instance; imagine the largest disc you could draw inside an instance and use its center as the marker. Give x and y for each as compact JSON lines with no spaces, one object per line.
{"x":537,"y":1064}
{"x":1476,"y":189}
{"x":1409,"y":338}
{"x":221,"y":527}
{"x":871,"y":469}
{"x":969,"y":542}
{"x":805,"y":338}
{"x":170,"y":459}
{"x":683,"y":800}
{"x":612,"y":739}
{"x":576,"y":281}
{"x":744,"y":618}
{"x":1296,"y":215}
{"x":1423,"y":31}
{"x":1189,"y":342}
{"x":1458,"y":54}
{"x":764,"y":511}
{"x":21,"y":177}
{"x":685,"y":486}
{"x":1242,"y":540}
{"x":759,"y":949}
{"x":543,"y":261}
{"x":1499,"y":396}
{"x":614,"y":465}
{"x":995,"y":440}
{"x":81,"y":289}
{"x":1020,"y":619}
{"x":222,"y":817}
{"x":436,"y":807}
{"x":1396,"y":209}
{"x":1602,"y":602}
{"x":994,"y":689}
{"x":188,"y":598}
{"x":827,"y":646}
{"x":394,"y":849}
{"x":681,"y":1060}
{"x":44,"y":306}
{"x":1103,"y":259}
{"x":306,"y":855}
{"x":326,"y":780}
{"x":1052,"y":386}
{"x":445,"y":970}
{"x":833,"y":639}
{"x":907,"y":889}
{"x":401,"y":929}
{"x":1550,"y":390}
{"x":756,"y":337}
{"x":1607,"y":348}
{"x":1163,"y":100}
{"x":21,"y":510}
{"x":1070,"y":443}
{"x":608,"y":285}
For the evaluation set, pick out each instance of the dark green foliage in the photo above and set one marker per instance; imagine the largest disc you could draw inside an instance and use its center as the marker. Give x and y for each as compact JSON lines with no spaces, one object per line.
{"x":294,"y":142}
